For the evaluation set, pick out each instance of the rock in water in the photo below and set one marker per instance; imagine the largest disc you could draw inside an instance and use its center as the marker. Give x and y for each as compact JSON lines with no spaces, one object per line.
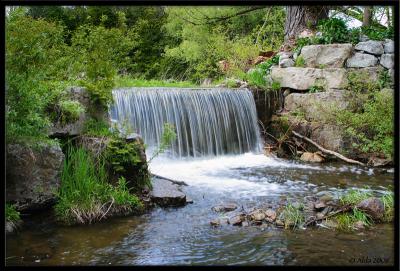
{"x":359,"y":225}
{"x":270,"y":215}
{"x":224,"y":207}
{"x":165,"y":193}
{"x":311,"y":157}
{"x":237,"y":219}
{"x":372,"y":206}
{"x":257,"y":215}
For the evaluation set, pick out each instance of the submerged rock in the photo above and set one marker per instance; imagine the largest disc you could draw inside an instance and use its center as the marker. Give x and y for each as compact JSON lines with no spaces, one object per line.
{"x":228,"y":207}
{"x":165,"y":193}
{"x":237,"y":219}
{"x":373,"y":207}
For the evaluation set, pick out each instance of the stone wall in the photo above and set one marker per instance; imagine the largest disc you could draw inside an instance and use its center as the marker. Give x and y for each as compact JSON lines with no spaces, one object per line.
{"x":327,"y":67}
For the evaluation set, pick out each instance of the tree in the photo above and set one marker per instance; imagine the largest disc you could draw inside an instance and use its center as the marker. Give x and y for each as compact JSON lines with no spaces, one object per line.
{"x":299,"y":18}
{"x":367,"y":16}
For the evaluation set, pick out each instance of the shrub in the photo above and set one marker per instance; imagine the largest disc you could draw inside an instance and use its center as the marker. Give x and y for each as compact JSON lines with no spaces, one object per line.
{"x":276,"y":86}
{"x":85,"y":195}
{"x":70,"y":111}
{"x":334,"y":30}
{"x":12,"y":215}
{"x":256,"y":77}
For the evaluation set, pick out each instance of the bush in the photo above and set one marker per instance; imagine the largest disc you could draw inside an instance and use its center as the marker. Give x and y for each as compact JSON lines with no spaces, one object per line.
{"x":85,"y":195}
{"x":70,"y":111}
{"x":12,"y":215}
{"x":334,"y":30}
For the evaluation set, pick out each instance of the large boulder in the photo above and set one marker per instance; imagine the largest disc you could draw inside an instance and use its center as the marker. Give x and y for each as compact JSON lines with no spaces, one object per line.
{"x":313,"y":104}
{"x":81,"y":95}
{"x":329,"y":55}
{"x":372,"y":206}
{"x":33,"y":175}
{"x":360,"y":60}
{"x":387,"y":61}
{"x":166,"y":193}
{"x":304,"y":78}
{"x":372,"y":47}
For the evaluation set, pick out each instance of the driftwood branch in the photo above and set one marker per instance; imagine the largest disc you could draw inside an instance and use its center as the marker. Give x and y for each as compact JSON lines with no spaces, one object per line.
{"x":338,"y":155}
{"x":168,"y":179}
{"x":341,"y":210}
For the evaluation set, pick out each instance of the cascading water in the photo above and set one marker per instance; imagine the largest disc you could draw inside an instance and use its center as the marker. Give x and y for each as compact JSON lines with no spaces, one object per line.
{"x":208,"y":122}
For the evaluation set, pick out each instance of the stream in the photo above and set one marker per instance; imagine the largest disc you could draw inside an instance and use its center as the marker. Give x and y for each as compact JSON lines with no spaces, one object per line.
{"x":184,"y":236}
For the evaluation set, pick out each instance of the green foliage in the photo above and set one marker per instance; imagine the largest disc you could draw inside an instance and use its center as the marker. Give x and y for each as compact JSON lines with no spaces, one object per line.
{"x":346,"y":221}
{"x":85,"y":195}
{"x":334,"y":30}
{"x":122,"y":155}
{"x":127,"y":81}
{"x":300,"y":62}
{"x":276,"y":86}
{"x":375,"y":33}
{"x":167,"y":137}
{"x":12,"y":215}
{"x":292,"y":216}
{"x":256,"y":77}
{"x":34,"y":55}
{"x":95,"y":127}
{"x":372,"y":127}
{"x":388,"y":203}
{"x":353,"y":197}
{"x":267,"y":65}
{"x":70,"y":111}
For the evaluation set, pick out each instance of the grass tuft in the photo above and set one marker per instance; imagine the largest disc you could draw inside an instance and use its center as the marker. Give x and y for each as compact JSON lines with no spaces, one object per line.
{"x":86,"y":196}
{"x":126,"y":81}
{"x":292,"y":216}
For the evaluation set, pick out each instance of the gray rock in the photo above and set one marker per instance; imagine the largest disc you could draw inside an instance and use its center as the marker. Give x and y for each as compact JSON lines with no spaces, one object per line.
{"x":313,"y":104}
{"x":359,"y":225}
{"x":279,"y":223}
{"x":364,"y":37}
{"x":12,"y":226}
{"x":286,"y":92}
{"x":165,"y":193}
{"x":327,"y":55}
{"x":391,"y":74}
{"x":304,"y":78}
{"x":270,"y":215}
{"x":371,"y":47}
{"x":33,"y":175}
{"x":286,"y":62}
{"x":387,"y":61}
{"x":326,"y":198}
{"x":388,"y":46}
{"x":189,"y":200}
{"x":359,"y":60}
{"x":378,"y":162}
{"x":283,"y":55}
{"x":228,"y":207}
{"x":257,"y":215}
{"x":372,"y":206}
{"x":237,"y":219}
{"x":320,"y":216}
{"x":319,"y":205}
{"x":81,"y":95}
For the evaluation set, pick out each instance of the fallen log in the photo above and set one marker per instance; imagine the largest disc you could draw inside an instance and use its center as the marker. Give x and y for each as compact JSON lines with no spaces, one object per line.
{"x":168,"y":179}
{"x":338,"y":155}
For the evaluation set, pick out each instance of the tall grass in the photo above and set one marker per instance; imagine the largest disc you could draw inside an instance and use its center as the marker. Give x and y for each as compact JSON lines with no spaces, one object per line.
{"x":353,"y":197}
{"x":388,"y":203}
{"x":85,"y":195}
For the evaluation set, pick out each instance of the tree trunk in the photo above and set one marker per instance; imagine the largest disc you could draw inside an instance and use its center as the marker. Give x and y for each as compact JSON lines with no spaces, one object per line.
{"x":367,"y":16}
{"x":299,"y":18}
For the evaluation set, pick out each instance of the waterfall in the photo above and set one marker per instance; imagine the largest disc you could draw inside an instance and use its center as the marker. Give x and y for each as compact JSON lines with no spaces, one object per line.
{"x":208,"y":122}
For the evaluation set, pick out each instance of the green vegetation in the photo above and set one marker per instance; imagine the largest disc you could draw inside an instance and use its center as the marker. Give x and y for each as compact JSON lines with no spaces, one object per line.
{"x":12,"y":215}
{"x":292,"y":216}
{"x":346,"y":221}
{"x":353,"y":197}
{"x":300,"y":62}
{"x":167,"y":137}
{"x":94,"y":127}
{"x":388,"y":202}
{"x":125,"y":81}
{"x":85,"y":195}
{"x":70,"y":111}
